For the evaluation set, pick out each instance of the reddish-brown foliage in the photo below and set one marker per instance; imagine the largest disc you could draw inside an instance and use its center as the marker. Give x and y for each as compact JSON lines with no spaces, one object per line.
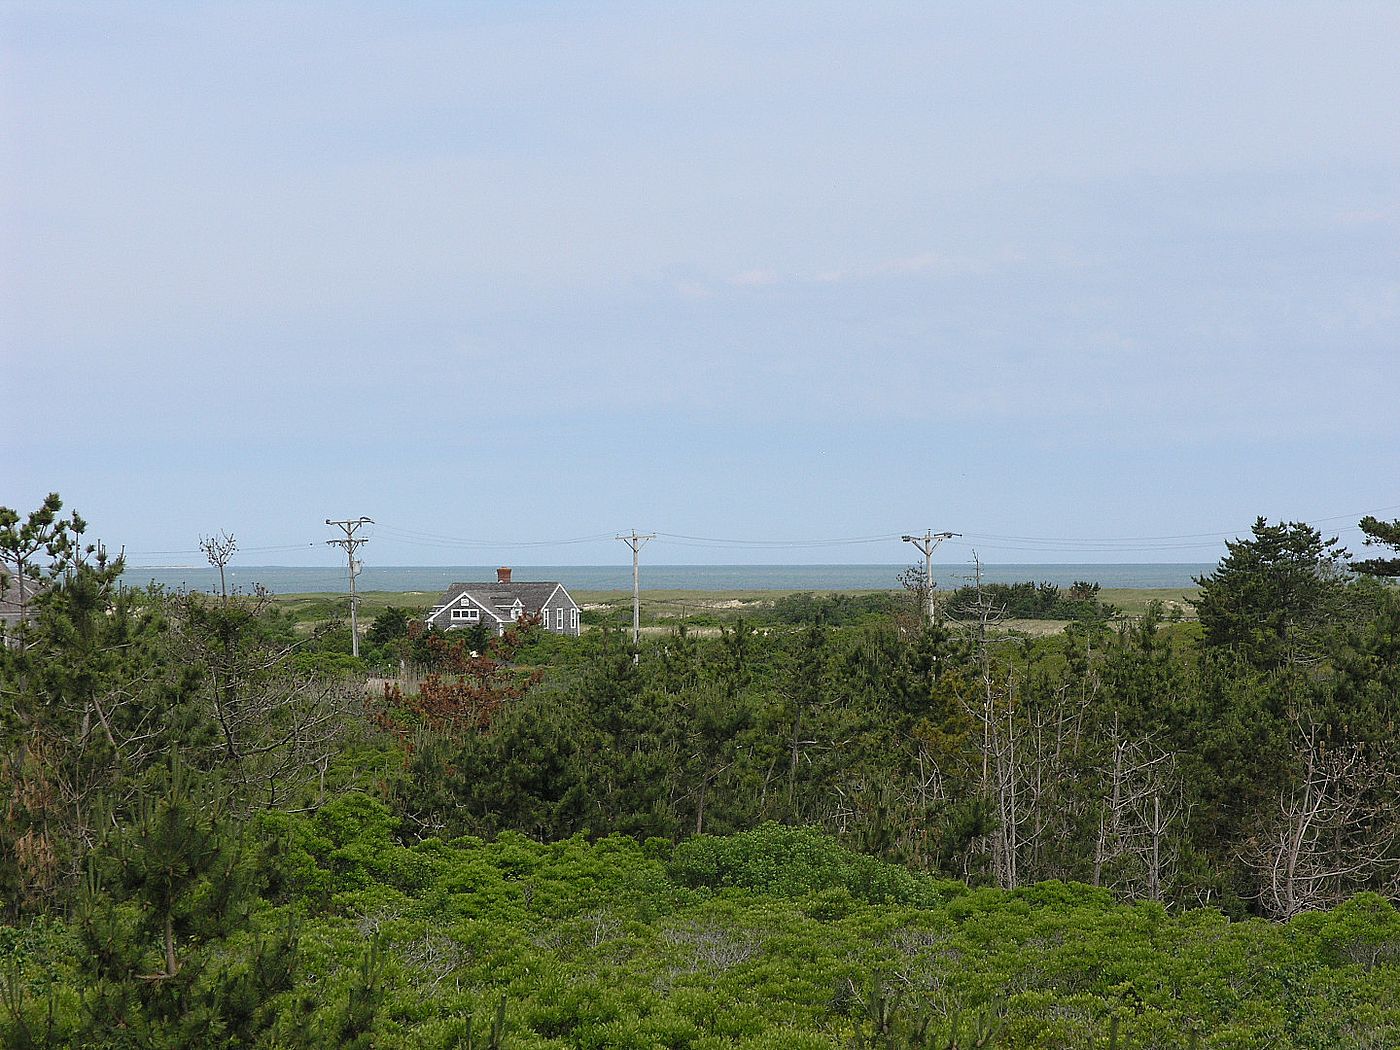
{"x":465,"y":688}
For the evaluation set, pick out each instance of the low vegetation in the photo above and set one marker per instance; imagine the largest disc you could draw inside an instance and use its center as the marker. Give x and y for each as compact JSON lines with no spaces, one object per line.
{"x":854,"y":831}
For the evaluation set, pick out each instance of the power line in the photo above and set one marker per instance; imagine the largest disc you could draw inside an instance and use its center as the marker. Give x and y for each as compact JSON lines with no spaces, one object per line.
{"x":1190,"y":541}
{"x":1216,"y":534}
{"x":415,"y":536}
{"x":244,"y":550}
{"x":682,"y":540}
{"x":971,"y":545}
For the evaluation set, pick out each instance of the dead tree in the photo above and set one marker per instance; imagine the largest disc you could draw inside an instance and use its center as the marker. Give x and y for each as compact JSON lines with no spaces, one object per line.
{"x":1019,"y":746}
{"x":1027,"y":740}
{"x":1330,"y":836}
{"x":218,"y":550}
{"x":1160,"y":813}
{"x":1140,"y":813}
{"x":278,"y":725}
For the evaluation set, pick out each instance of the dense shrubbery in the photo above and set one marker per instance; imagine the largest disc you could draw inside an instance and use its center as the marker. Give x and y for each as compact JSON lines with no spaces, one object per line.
{"x":833,"y":610}
{"x":777,"y":937}
{"x":1033,"y":601}
{"x":789,"y":861}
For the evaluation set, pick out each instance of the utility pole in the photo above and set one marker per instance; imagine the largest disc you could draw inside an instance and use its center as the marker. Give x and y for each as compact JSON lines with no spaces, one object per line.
{"x":926,"y":543}
{"x":349,"y":545}
{"x":636,"y":542}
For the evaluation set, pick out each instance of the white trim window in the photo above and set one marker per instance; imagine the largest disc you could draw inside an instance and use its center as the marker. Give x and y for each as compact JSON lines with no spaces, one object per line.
{"x":559,"y":618}
{"x":573,"y":620}
{"x":467,"y":615}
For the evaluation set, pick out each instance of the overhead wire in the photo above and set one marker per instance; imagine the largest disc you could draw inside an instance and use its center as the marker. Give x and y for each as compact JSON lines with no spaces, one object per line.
{"x":682,"y":540}
{"x":276,"y":548}
{"x":1191,"y":541}
{"x":422,"y":538}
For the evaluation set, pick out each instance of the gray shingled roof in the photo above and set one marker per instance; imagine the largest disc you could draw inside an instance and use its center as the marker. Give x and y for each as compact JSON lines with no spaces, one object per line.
{"x":9,"y":598}
{"x":499,"y":597}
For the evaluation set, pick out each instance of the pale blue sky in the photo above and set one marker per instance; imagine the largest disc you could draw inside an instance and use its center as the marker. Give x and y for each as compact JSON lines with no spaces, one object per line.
{"x":502,"y":271}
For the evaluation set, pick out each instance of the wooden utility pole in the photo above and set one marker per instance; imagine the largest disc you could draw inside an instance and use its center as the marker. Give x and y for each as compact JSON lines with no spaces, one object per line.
{"x":636,"y":542}
{"x":926,"y":543}
{"x":349,"y":545}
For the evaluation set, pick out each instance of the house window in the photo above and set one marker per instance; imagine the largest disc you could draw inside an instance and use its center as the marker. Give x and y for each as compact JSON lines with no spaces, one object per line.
{"x":469,"y":615}
{"x":573,"y":619}
{"x":559,"y":619}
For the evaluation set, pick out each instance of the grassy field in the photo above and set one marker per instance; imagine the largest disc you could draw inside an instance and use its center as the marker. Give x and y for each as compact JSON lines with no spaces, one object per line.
{"x":661,"y":605}
{"x":662,"y":608}
{"x":1134,"y":600}
{"x":311,"y":609}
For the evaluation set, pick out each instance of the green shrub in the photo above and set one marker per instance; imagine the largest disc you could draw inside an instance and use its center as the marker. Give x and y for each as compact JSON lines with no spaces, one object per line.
{"x":787,"y":861}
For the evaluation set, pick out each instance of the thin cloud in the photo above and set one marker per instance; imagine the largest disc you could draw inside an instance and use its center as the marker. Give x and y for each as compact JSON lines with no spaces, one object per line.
{"x":754,"y":279}
{"x":928,"y":263}
{"x":931,"y":263}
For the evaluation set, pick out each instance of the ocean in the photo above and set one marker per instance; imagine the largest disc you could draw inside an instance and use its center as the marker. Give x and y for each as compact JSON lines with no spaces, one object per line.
{"x":295,"y":579}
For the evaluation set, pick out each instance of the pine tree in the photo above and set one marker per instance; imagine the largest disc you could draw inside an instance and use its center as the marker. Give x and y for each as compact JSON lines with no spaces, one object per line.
{"x":38,"y":545}
{"x":162,"y":920}
{"x":1273,"y":595}
{"x":1382,"y":534}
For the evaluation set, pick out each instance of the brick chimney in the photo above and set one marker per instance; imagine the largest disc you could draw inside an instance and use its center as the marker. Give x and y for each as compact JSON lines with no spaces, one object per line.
{"x":503,"y":574}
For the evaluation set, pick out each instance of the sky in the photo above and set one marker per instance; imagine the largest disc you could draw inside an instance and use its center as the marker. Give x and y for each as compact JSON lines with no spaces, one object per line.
{"x":1088,"y":282}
